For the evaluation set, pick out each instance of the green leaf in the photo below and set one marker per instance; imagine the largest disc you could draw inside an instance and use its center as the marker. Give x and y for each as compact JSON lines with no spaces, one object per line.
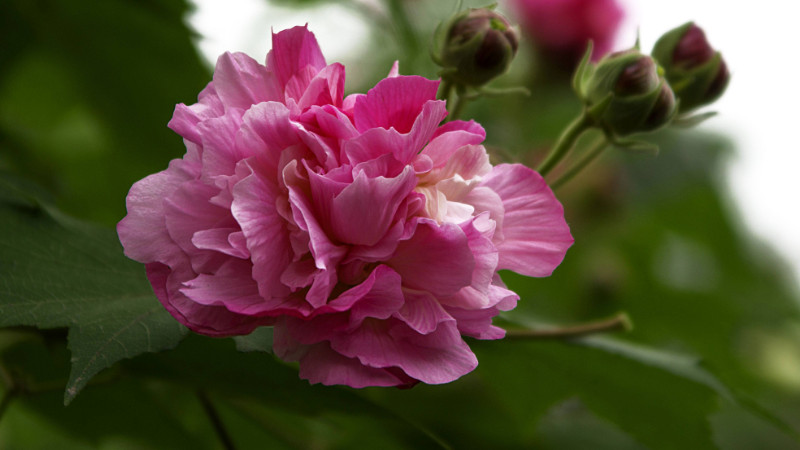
{"x":260,"y":340}
{"x":663,"y":401}
{"x":59,"y":272}
{"x":270,"y":392}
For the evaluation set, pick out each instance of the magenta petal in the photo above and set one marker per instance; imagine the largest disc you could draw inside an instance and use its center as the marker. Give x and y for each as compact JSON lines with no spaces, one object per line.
{"x":383,"y":298}
{"x":438,"y":357}
{"x":363,"y":211}
{"x":255,"y":209}
{"x":186,"y":118}
{"x":266,"y":132}
{"x":404,"y":147}
{"x":326,"y":254}
{"x":240,"y":81}
{"x":422,"y":312}
{"x":326,"y":88}
{"x":394,"y":103}
{"x":292,"y":51}
{"x":209,"y":320}
{"x":230,"y":286}
{"x":220,"y":153}
{"x":437,"y":259}
{"x":476,"y":295}
{"x":535,"y":235}
{"x":477,"y":323}
{"x":219,"y":239}
{"x":323,"y":365}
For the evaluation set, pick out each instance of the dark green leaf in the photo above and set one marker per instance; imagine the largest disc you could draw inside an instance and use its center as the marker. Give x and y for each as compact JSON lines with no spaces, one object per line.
{"x":58,"y":272}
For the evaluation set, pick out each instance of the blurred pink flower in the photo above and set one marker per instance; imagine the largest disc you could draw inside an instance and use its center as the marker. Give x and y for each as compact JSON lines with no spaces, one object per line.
{"x":562,"y":28}
{"x":367,"y":234}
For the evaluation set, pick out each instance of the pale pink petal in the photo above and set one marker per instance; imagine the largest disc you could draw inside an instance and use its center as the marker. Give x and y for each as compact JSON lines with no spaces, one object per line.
{"x":437,"y":259}
{"x":450,"y":137}
{"x":535,"y":235}
{"x":143,"y":231}
{"x":240,"y":81}
{"x":394,"y":71}
{"x":188,"y":210}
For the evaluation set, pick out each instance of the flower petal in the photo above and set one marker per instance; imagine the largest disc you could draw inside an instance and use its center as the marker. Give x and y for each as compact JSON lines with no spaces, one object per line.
{"x":292,"y":51}
{"x":436,"y":259}
{"x":240,"y":81}
{"x":209,"y":320}
{"x":535,"y":235}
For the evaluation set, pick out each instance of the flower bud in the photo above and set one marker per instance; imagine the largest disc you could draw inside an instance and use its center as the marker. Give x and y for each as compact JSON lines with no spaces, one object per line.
{"x":625,"y":93}
{"x":479,"y":45}
{"x":696,"y":72}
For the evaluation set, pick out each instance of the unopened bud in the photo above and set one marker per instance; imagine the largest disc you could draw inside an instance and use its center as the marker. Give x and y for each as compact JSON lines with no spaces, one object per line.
{"x":479,"y":45}
{"x":625,"y":93}
{"x":696,"y":72}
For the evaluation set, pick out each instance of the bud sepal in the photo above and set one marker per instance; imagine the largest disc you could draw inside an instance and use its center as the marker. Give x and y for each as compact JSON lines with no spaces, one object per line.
{"x":625,"y":93}
{"x":475,"y":46}
{"x":697,"y":73}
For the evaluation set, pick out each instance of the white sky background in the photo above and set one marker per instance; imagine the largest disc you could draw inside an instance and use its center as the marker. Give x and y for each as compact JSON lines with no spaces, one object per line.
{"x":760,"y":110}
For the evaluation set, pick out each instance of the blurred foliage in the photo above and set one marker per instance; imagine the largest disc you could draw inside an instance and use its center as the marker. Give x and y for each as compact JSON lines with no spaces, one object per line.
{"x":86,"y":90}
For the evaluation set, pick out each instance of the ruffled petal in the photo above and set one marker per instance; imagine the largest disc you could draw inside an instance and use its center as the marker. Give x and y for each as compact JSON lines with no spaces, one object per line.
{"x":535,"y":235}
{"x":436,"y":259}
{"x":209,"y":320}
{"x":240,"y":81}
{"x":143,"y":231}
{"x":255,"y":209}
{"x":438,"y":357}
{"x":292,"y":51}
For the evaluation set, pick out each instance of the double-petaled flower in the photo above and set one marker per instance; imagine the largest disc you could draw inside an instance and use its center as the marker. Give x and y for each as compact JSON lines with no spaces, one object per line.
{"x":364,"y":231}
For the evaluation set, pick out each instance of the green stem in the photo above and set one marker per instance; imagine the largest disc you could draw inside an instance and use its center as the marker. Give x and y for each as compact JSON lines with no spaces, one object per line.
{"x":216,"y":422}
{"x":458,"y":106}
{"x":565,"y":143}
{"x":444,"y":90}
{"x":596,"y":150}
{"x":620,"y":322}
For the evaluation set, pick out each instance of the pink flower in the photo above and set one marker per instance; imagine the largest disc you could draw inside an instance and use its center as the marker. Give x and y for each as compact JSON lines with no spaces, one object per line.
{"x":367,"y":234}
{"x":562,"y":28}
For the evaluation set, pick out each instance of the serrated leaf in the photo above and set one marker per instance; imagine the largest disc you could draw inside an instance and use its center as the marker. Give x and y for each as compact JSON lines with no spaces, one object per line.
{"x":59,"y":272}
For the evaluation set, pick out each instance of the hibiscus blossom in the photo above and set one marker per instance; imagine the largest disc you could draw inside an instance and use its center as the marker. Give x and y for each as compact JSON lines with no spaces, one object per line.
{"x":367,"y":234}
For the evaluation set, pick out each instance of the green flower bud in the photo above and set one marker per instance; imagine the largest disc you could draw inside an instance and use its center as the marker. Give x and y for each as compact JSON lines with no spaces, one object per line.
{"x":698,"y":74}
{"x":478,"y":45}
{"x":626,"y":93}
